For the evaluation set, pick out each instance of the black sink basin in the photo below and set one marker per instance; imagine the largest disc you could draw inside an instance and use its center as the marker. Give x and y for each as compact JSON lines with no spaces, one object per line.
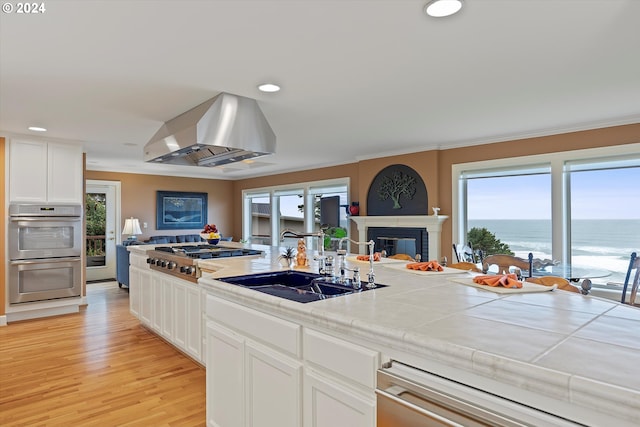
{"x":294,"y":285}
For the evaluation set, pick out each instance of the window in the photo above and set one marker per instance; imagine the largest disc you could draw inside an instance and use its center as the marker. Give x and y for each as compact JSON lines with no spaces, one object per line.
{"x":269,"y":211}
{"x":605,"y":213}
{"x":514,"y":204}
{"x":581,"y":207}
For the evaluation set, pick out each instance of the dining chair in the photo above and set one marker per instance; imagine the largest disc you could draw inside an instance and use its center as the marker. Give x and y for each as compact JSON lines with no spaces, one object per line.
{"x":467,"y":266}
{"x":505,"y":262}
{"x":560,"y":282}
{"x":634,"y":264}
{"x":464,"y":253}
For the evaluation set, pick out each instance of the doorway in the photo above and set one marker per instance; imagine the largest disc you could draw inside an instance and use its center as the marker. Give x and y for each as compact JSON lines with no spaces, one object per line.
{"x":102,"y":214}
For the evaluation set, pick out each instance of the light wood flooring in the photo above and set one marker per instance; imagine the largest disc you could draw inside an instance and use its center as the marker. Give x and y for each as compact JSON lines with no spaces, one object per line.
{"x":98,"y":367}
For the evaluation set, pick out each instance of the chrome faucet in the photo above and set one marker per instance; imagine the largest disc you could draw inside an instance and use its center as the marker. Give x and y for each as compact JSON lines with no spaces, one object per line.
{"x":322,"y":268}
{"x":356,"y":272}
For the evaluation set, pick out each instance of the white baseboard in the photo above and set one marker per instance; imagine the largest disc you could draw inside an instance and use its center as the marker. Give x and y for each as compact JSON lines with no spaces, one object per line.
{"x":3,"y":320}
{"x":41,"y":312}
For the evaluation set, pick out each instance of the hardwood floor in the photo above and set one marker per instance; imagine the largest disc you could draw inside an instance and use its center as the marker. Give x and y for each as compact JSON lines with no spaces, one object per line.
{"x":98,"y":367}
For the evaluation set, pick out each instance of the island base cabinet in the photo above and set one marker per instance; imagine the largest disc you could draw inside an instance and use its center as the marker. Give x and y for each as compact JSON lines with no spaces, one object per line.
{"x":249,"y":384}
{"x":273,"y":384}
{"x":327,"y":404}
{"x":225,"y":377}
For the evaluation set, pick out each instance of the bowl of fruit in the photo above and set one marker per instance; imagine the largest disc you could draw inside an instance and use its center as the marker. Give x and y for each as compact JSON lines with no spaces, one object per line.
{"x":210,"y":234}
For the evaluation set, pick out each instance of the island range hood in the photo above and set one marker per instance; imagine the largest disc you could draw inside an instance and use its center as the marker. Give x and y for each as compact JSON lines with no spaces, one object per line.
{"x":227,"y":128}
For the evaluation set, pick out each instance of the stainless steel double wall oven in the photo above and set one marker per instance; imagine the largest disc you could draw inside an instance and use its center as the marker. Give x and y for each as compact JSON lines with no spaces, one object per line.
{"x":45,"y":249}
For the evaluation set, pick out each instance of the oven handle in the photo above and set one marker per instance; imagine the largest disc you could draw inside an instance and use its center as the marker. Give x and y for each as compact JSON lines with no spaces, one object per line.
{"x":393,"y":393}
{"x":45,"y":218}
{"x":44,"y":260}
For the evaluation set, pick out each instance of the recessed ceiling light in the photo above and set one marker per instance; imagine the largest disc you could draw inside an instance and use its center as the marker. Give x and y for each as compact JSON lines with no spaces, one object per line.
{"x":269,"y":87}
{"x":37,"y":129}
{"x":442,"y":8}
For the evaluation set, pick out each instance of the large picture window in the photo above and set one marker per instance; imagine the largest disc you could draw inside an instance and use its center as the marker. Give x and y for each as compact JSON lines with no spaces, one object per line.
{"x":577,"y":207}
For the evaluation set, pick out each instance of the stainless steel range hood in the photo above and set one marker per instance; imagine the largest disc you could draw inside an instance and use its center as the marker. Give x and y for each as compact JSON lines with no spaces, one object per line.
{"x":225,"y":129}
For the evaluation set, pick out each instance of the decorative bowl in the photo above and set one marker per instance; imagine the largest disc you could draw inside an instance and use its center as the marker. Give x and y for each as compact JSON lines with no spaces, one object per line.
{"x":205,"y":236}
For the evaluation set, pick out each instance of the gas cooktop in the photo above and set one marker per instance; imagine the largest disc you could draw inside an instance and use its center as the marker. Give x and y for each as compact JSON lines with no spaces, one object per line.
{"x":206,"y":251}
{"x":181,"y":261}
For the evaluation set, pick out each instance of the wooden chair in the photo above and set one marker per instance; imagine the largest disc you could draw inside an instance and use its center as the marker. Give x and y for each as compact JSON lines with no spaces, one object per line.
{"x":634,"y":264}
{"x":505,"y":262}
{"x":467,"y":266}
{"x":560,"y":283}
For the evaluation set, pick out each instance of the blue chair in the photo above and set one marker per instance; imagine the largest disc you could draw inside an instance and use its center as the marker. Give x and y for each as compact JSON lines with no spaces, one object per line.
{"x":122,"y":262}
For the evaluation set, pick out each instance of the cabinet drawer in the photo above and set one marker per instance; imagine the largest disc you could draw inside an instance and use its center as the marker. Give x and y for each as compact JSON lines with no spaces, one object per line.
{"x":270,"y":330}
{"x":139,"y":261}
{"x":348,"y":360}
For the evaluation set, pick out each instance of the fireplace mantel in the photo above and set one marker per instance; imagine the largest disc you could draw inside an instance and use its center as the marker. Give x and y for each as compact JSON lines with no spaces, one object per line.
{"x":433,"y":224}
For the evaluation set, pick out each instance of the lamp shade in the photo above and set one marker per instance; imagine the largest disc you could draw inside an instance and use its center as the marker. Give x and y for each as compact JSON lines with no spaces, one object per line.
{"x":131,"y":227}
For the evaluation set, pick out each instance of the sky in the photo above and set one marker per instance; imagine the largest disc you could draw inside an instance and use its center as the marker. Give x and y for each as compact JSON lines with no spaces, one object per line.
{"x":605,"y":194}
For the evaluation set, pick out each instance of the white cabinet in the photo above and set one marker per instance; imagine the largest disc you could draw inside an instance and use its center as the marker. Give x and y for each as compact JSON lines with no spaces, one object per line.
{"x":339,"y":382}
{"x":329,"y":404}
{"x":146,"y":298}
{"x":272,"y":387}
{"x":41,"y":172}
{"x":225,"y":377}
{"x":187,"y":314}
{"x":254,"y":375}
{"x":168,"y":306}
{"x":166,"y":312}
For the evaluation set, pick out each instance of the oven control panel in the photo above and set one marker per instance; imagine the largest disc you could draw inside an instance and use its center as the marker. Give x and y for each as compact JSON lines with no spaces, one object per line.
{"x":187,"y":271}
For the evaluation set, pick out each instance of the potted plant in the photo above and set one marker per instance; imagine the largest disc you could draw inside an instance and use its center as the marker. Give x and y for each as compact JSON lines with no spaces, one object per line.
{"x":288,"y":256}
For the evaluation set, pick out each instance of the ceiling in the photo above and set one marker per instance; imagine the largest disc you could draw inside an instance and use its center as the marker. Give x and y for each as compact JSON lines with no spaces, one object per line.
{"x":360,"y":79}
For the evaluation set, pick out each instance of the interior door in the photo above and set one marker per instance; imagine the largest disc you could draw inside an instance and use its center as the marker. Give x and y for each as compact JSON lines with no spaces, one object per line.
{"x":101,"y":240}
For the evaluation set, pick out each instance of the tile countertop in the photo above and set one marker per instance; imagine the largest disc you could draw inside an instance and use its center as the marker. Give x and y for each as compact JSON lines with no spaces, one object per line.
{"x":579,"y":350}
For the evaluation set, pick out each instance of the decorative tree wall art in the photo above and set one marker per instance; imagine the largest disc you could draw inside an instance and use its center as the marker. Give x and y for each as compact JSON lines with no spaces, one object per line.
{"x":397,"y":190}
{"x":396,"y":185}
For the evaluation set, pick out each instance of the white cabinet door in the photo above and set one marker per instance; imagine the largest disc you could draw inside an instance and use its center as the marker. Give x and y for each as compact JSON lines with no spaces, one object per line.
{"x":134,"y":291}
{"x":166,"y":309}
{"x":180,"y":315}
{"x":193,"y":320}
{"x":225,"y":377}
{"x":273,"y":384}
{"x":28,"y":171}
{"x":156,"y":303}
{"x":64,"y":173}
{"x":146,"y":298}
{"x":327,"y":404}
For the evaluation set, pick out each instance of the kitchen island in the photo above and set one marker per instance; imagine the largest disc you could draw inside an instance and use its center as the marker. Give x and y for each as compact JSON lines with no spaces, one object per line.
{"x":570,"y":355}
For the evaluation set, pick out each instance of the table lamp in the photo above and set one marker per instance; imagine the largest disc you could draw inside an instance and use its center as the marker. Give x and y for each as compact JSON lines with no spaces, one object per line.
{"x":132,"y":228}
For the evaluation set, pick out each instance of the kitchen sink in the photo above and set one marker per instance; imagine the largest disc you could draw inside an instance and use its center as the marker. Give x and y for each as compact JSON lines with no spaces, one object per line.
{"x":297,"y":286}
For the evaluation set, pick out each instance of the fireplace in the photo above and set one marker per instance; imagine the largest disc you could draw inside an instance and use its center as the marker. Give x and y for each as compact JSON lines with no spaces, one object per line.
{"x":400,"y":240}
{"x":431,"y":225}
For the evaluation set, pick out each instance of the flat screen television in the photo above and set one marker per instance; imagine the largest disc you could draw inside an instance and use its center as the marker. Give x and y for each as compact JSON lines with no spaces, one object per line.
{"x":330,"y":211}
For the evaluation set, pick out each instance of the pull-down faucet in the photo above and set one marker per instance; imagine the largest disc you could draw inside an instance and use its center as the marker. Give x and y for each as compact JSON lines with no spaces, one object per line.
{"x":320,"y":235}
{"x":356,"y":276}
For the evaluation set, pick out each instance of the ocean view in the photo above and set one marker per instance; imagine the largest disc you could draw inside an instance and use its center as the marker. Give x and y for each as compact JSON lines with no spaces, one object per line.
{"x":603,"y":243}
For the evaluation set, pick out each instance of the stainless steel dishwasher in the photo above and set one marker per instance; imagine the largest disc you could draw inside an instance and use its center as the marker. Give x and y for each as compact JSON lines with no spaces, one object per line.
{"x":408,"y":396}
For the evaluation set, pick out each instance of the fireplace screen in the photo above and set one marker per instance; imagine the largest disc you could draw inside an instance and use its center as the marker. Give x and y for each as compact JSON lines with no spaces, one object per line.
{"x":400,"y":240}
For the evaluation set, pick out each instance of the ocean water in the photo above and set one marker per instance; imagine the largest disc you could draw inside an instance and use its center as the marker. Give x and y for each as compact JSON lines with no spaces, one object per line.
{"x":603,"y":243}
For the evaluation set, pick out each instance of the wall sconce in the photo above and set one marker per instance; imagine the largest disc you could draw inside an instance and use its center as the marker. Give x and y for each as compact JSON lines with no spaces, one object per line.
{"x":132,"y":228}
